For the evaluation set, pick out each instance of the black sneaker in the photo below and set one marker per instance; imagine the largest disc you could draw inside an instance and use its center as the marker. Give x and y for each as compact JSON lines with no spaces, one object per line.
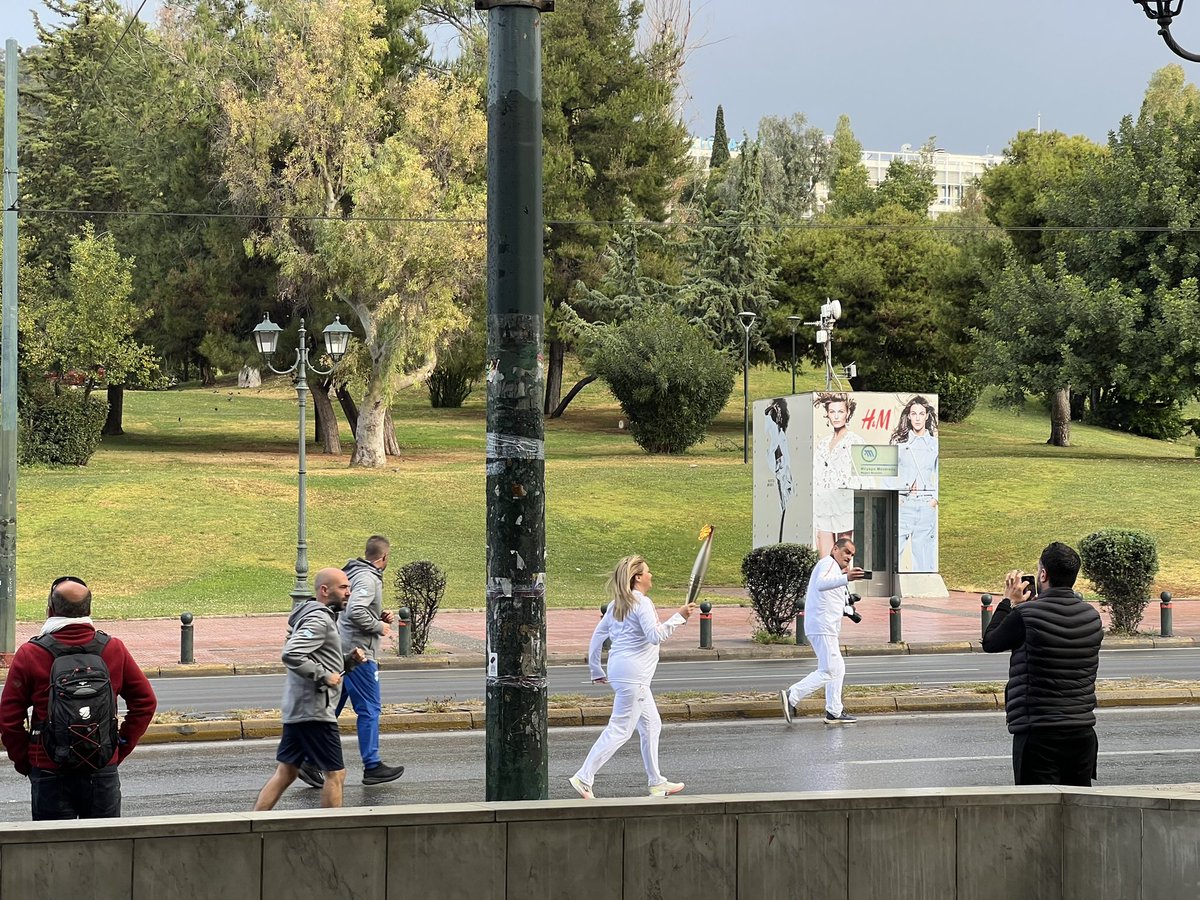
{"x":311,"y":775}
{"x":382,"y":774}
{"x":844,"y":719}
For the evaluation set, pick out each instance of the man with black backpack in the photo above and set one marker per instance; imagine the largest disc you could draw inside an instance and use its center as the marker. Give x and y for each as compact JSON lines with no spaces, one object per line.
{"x":71,"y":675}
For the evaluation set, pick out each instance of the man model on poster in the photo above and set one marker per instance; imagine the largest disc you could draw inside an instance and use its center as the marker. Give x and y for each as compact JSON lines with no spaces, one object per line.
{"x":1050,"y":699}
{"x":824,"y":606}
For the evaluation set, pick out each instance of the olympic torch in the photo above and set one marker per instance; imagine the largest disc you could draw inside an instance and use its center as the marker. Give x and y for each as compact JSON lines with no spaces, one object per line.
{"x":701,"y":564}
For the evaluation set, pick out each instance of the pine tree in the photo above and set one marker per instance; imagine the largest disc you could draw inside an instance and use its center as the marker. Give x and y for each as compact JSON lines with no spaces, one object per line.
{"x":720,"y":149}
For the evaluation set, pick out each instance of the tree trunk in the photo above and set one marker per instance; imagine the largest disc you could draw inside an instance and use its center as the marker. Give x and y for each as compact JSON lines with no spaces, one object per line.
{"x":391,"y":446}
{"x":562,"y":407}
{"x":554,"y":373}
{"x":369,"y":449}
{"x":349,"y":407}
{"x":116,"y":408}
{"x":1060,"y":418}
{"x":208,"y":375}
{"x":325,"y":420}
{"x":1078,"y":402}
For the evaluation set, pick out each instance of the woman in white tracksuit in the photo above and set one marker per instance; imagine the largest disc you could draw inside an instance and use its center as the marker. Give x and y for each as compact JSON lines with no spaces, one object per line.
{"x":632,"y":624}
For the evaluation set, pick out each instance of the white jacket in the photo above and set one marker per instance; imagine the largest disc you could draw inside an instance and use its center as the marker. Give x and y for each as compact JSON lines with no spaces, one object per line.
{"x":633,"y":656}
{"x":826,"y":598}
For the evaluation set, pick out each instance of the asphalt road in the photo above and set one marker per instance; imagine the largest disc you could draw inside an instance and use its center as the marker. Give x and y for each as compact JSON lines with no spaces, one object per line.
{"x":1138,"y":746}
{"x":216,"y":694}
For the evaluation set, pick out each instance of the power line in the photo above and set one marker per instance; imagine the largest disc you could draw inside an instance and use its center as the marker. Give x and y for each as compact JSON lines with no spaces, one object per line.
{"x":104,"y":68}
{"x":621,"y":223}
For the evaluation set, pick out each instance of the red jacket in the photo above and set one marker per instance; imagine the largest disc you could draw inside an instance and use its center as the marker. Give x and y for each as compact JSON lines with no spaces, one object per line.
{"x":28,"y":684}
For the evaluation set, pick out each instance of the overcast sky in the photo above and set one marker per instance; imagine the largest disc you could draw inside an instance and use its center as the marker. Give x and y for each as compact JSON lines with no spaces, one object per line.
{"x":971,"y":72}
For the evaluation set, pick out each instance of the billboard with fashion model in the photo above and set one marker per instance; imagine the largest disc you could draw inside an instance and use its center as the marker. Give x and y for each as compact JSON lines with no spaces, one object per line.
{"x":813,"y":451}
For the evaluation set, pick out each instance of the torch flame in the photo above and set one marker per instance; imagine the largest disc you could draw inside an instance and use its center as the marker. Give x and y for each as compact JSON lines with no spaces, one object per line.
{"x":705,"y":533}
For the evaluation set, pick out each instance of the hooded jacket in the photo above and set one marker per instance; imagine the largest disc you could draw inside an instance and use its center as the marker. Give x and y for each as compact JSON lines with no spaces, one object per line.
{"x":361,"y":623}
{"x":1055,"y":643}
{"x":312,"y":651}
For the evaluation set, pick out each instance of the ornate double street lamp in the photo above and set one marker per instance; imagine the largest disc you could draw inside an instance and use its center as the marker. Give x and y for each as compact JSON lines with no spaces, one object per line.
{"x":266,"y":337}
{"x":747,"y":319}
{"x":1163,"y":12}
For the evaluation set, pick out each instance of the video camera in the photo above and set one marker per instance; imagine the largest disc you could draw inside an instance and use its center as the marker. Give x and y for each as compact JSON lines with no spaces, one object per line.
{"x":850,"y":612}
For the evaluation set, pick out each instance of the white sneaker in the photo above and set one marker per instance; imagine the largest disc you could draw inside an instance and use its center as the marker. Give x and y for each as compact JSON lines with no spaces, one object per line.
{"x":787,"y":706}
{"x":666,"y":789}
{"x":582,"y":789}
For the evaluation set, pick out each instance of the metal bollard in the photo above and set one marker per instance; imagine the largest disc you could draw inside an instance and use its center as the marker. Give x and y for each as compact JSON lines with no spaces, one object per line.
{"x":404,"y":631}
{"x":1166,"y":618}
{"x":187,"y":640}
{"x":705,"y":625}
{"x":895,"y":636}
{"x":801,"y":640}
{"x":607,"y":641}
{"x":985,"y":614}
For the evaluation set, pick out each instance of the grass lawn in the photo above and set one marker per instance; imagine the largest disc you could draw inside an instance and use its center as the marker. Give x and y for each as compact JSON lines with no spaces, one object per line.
{"x":195,"y":507}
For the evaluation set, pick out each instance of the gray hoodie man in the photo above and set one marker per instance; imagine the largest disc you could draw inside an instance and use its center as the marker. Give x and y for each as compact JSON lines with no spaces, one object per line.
{"x":312,"y":652}
{"x":365,"y":623}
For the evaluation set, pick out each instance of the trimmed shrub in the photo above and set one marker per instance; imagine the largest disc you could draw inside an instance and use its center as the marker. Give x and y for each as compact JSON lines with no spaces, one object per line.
{"x":670,"y":380}
{"x":61,"y":429}
{"x":1121,"y":564}
{"x":420,"y":586}
{"x":776,"y":576}
{"x":957,"y":396}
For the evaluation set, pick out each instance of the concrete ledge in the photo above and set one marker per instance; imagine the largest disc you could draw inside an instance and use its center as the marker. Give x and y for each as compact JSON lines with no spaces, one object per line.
{"x":261,"y":728}
{"x":942,"y":647}
{"x":674,"y":712}
{"x":433,"y":721}
{"x":874,"y":649}
{"x":197,"y":669}
{"x":974,"y":701}
{"x":222,"y":730}
{"x":1173,"y":642}
{"x":1147,"y":697}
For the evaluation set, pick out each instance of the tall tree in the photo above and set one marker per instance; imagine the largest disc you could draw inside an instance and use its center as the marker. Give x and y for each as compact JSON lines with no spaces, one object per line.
{"x":358,"y":212}
{"x":720,"y":147}
{"x":612,"y":136}
{"x":850,"y":192}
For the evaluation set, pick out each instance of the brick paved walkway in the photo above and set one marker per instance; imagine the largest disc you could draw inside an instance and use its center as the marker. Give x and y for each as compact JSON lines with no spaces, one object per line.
{"x":241,"y":640}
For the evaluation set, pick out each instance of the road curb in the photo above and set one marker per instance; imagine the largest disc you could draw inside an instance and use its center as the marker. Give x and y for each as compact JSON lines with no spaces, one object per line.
{"x":678,"y":711}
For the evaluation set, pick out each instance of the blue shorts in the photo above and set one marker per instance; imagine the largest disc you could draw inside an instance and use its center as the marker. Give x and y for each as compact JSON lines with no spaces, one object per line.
{"x":316,"y":742}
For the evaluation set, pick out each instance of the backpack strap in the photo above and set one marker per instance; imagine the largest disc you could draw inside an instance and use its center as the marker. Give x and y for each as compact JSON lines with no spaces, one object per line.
{"x":57,"y":648}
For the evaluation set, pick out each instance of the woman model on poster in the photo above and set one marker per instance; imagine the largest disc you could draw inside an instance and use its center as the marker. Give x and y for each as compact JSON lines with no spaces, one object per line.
{"x":833,"y":489}
{"x":917,"y":476}
{"x":632,"y":624}
{"x":779,"y":458}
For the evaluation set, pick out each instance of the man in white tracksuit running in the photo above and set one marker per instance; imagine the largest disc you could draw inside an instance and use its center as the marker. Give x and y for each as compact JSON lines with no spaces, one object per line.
{"x":824,"y":605}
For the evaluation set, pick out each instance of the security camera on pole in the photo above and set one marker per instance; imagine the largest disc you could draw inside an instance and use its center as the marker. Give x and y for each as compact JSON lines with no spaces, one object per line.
{"x":831,"y":311}
{"x":747,"y":322}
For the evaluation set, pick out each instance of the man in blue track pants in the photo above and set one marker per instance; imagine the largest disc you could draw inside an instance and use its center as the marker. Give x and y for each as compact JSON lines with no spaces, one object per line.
{"x":364,"y":623}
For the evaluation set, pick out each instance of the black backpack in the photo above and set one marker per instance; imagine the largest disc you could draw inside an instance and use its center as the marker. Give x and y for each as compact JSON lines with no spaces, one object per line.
{"x":80,"y":731}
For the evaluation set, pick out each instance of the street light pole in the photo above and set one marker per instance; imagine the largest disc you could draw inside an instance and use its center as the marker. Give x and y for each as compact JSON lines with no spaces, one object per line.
{"x":795,"y":320}
{"x":337,"y":336}
{"x":747,"y":320}
{"x":8,"y":366}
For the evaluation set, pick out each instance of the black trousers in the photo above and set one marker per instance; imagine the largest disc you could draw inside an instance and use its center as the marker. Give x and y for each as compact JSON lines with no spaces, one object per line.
{"x":71,"y":795}
{"x":1055,"y":756}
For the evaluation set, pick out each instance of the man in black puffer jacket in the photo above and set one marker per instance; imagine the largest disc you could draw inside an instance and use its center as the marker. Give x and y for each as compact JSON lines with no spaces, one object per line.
{"x":1050,"y":698}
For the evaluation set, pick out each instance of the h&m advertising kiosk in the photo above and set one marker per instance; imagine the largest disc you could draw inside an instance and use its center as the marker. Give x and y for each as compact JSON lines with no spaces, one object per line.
{"x":855,"y":464}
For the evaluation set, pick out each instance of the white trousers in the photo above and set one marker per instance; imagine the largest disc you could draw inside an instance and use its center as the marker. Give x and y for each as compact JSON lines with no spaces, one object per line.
{"x":633,"y":707}
{"x":831,"y":669}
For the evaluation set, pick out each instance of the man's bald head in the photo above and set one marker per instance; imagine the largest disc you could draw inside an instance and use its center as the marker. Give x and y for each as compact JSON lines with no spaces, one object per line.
{"x":70,"y":598}
{"x":333,"y":587}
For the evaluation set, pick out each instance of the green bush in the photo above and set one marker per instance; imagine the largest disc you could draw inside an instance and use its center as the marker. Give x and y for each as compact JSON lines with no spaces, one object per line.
{"x":957,"y":396}
{"x":458,"y":369}
{"x":420,"y":586}
{"x":61,"y":429}
{"x":1122,"y":565}
{"x":669,"y":379}
{"x":776,"y":577}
